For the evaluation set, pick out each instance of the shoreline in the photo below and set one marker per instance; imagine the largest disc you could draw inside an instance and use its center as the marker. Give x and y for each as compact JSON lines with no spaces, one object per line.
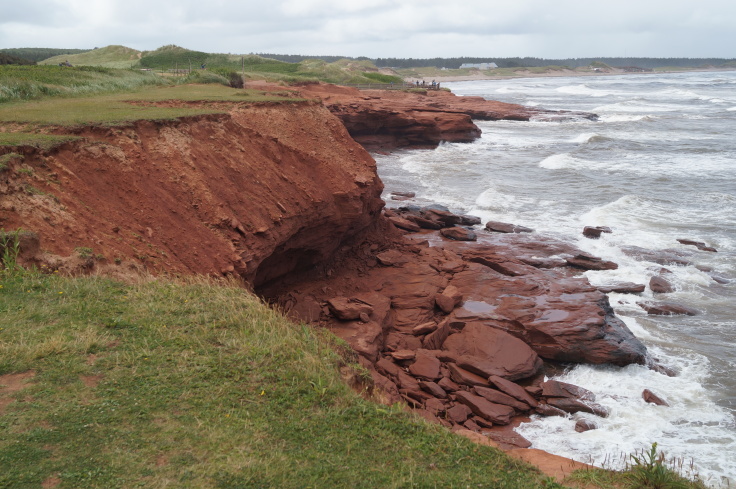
{"x":555,"y":74}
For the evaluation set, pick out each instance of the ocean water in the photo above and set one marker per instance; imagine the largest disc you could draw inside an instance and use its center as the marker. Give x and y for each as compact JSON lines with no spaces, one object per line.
{"x":658,"y":165}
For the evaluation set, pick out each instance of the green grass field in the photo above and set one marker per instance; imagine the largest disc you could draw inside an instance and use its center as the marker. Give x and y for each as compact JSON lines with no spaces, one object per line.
{"x":117,"y":108}
{"x":197,"y":384}
{"x":38,"y":96}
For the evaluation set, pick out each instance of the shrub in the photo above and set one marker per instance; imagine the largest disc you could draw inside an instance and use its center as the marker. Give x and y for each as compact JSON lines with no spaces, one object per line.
{"x":236,"y":81}
{"x":649,"y":470}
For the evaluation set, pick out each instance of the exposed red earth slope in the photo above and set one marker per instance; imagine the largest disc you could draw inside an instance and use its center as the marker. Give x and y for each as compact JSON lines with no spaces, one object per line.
{"x":257,"y":192}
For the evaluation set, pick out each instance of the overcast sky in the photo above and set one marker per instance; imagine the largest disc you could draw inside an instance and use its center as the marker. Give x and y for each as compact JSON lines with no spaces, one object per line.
{"x":382,"y":28}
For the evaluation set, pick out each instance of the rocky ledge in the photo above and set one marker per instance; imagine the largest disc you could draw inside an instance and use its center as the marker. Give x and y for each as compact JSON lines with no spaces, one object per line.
{"x":463,"y":331}
{"x":383,"y":119}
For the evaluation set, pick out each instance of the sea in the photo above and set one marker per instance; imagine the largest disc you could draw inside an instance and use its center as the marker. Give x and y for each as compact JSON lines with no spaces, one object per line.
{"x":659,"y":164}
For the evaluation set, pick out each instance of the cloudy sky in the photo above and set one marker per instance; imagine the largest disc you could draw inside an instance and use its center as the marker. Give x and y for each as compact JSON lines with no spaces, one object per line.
{"x":382,"y":28}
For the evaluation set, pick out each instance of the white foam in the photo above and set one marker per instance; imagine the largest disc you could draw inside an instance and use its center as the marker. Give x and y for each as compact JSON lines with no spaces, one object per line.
{"x":584,"y":138}
{"x":582,"y":90}
{"x":558,"y":162}
{"x":625,"y":118}
{"x":683,"y":430}
{"x":636,"y":106}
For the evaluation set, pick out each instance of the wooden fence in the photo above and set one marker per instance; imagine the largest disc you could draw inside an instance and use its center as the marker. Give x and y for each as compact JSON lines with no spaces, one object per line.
{"x":391,"y":86}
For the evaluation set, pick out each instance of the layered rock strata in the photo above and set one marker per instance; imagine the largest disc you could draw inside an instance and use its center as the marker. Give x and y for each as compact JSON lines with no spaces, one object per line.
{"x":257,"y":193}
{"x":459,"y":330}
{"x":382,"y":119}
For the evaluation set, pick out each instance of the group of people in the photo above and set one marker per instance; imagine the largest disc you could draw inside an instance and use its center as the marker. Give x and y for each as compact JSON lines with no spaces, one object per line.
{"x":434,"y":85}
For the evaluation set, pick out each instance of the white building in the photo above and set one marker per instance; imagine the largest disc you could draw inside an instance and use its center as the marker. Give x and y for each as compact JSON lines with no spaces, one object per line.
{"x":480,"y":66}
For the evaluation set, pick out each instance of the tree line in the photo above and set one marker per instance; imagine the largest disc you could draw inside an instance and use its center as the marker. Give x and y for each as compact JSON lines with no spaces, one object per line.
{"x":39,"y":54}
{"x":455,"y":63}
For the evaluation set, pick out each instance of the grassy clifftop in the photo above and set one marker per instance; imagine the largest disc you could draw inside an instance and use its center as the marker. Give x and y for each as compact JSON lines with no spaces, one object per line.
{"x":164,"y":384}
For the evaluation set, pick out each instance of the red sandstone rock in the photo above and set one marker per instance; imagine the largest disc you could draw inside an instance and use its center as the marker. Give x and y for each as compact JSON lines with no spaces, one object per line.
{"x":509,"y":440}
{"x":495,"y":413}
{"x":435,"y":340}
{"x":435,"y":406}
{"x":388,"y":119}
{"x":573,"y":406}
{"x":504,"y":227}
{"x":622,"y":288}
{"x":663,"y":257}
{"x":499,"y":397}
{"x":472,"y":425}
{"x":388,"y":367}
{"x":594,"y":232}
{"x":448,"y":385}
{"x":667,"y":309}
{"x":459,"y":233}
{"x":589,"y":262}
{"x":482,"y":422}
{"x":443,"y":216}
{"x":404,"y":224}
{"x":423,"y":222}
{"x":348,"y":309}
{"x":425,"y":366}
{"x":544,"y":309}
{"x":513,"y":390}
{"x":468,"y":220}
{"x":458,"y":413}
{"x":660,"y":285}
{"x":412,"y":293}
{"x":450,"y":298}
{"x":402,"y":355}
{"x":583,"y":425}
{"x":406,"y":381}
{"x":433,"y":389}
{"x":488,"y":351}
{"x":698,"y":244}
{"x":462,"y":376}
{"x":547,"y":410}
{"x":498,"y":261}
{"x":387,"y":387}
{"x":652,"y":398}
{"x":402,"y":342}
{"x":555,"y":388}
{"x":392,"y":258}
{"x":423,"y":329}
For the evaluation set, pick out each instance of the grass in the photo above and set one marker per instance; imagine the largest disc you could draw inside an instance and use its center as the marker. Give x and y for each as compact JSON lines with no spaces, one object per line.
{"x":645,"y":469}
{"x":117,"y":108}
{"x":19,"y":83}
{"x":109,"y":57}
{"x":42,"y":141}
{"x":164,"y":384}
{"x":172,"y":57}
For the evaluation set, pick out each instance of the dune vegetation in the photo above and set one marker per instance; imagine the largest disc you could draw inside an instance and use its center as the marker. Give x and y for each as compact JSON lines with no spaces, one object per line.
{"x":173,"y":59}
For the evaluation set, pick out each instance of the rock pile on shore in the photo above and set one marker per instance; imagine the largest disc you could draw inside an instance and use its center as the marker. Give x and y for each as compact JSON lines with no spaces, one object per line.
{"x":460,"y":330}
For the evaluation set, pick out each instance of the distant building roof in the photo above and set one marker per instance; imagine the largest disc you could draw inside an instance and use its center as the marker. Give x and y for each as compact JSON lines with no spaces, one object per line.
{"x":480,"y":66}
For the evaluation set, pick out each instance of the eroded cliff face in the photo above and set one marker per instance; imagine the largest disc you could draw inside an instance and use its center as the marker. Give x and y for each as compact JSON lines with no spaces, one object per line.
{"x":284,"y":197}
{"x":258,"y":192}
{"x":388,"y":119}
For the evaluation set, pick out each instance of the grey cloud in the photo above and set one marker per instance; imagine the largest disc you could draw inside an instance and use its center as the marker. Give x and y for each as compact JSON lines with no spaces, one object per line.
{"x":384,"y":28}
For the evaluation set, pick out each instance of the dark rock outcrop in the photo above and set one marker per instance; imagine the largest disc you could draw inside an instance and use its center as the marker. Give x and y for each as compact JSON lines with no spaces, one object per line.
{"x":594,"y":232}
{"x":653,"y":398}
